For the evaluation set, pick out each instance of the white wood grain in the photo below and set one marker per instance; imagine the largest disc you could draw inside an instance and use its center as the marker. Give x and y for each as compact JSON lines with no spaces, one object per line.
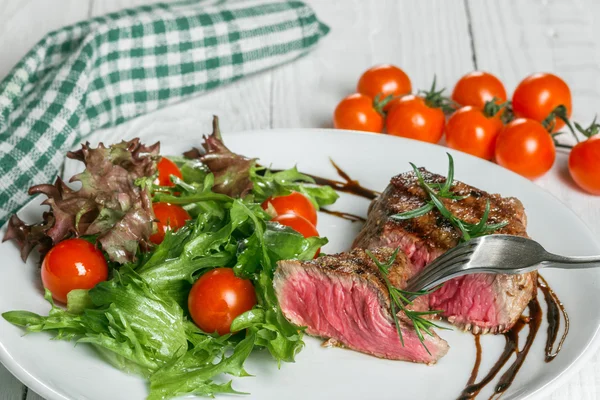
{"x":514,"y":39}
{"x":424,"y":38}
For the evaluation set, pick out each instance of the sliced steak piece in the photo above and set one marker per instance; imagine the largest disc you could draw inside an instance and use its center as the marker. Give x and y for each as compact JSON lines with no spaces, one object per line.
{"x":482,"y":303}
{"x":343,"y":297}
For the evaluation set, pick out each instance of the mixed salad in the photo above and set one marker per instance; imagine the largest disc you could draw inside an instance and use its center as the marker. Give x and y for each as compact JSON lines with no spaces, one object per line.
{"x":165,"y":264}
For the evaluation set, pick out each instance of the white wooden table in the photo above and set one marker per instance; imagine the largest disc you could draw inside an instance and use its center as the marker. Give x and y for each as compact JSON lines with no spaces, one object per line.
{"x":444,"y":37}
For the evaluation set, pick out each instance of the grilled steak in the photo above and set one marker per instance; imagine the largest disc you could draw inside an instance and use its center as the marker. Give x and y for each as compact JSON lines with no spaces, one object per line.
{"x":344,"y":298}
{"x":482,"y":303}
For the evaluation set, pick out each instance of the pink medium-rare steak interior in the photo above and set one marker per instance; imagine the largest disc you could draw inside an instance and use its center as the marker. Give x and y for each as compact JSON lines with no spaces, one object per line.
{"x":482,"y":303}
{"x":342,"y":297}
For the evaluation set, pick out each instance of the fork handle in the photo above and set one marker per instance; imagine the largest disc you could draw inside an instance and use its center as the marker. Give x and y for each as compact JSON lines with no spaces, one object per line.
{"x":556,"y":261}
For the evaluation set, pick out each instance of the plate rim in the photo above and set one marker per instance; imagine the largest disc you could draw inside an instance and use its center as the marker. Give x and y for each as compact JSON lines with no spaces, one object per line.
{"x":37,"y":385}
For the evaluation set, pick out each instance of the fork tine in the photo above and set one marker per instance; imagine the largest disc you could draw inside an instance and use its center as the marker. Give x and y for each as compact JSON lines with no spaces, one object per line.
{"x":424,"y":278}
{"x":445,"y":259}
{"x":441,"y":265}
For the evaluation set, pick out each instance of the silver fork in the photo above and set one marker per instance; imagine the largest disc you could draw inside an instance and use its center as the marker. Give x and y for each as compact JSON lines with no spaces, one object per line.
{"x":496,"y":254}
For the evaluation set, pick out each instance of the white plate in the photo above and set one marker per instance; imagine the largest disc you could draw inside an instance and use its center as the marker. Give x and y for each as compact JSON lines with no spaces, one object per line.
{"x":58,"y":370}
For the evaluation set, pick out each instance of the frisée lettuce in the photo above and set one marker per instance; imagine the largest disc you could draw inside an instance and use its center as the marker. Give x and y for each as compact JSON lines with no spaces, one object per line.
{"x":138,"y":320}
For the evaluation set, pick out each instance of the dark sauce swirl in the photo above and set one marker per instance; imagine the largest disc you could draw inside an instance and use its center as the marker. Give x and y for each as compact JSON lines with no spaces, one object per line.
{"x":348,"y":185}
{"x":555,"y":311}
{"x":534,"y":320}
{"x":344,"y":215}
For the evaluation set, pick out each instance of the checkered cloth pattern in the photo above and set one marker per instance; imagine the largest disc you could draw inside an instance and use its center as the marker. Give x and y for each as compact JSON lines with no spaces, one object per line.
{"x":107,"y":70}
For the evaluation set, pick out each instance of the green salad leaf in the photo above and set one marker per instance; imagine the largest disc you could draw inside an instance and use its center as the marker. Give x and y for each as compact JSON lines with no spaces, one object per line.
{"x":129,"y":324}
{"x":193,"y":372}
{"x":139,"y":320}
{"x":272,"y":184}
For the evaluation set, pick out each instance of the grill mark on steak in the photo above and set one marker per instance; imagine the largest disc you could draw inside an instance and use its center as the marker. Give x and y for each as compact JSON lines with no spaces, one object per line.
{"x":482,"y":303}
{"x":344,"y":298}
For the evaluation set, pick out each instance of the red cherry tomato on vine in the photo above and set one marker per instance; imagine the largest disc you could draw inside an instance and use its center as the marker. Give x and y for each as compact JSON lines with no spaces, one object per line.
{"x":538,"y":95}
{"x":217,"y":298}
{"x":384,"y":80}
{"x":293,"y":203}
{"x":357,"y":112}
{"x":469,"y":130}
{"x":412,"y":118}
{"x":73,"y":264}
{"x":166,"y":168}
{"x":584,"y":164}
{"x":169,"y":216}
{"x":478,"y":87}
{"x":525,"y":147}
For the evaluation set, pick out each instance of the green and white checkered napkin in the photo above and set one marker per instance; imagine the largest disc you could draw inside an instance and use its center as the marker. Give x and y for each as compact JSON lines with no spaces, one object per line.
{"x":107,"y":70}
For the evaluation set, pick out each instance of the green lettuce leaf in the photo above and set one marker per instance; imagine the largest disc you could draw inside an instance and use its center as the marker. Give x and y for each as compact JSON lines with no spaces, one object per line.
{"x":193,"y":373}
{"x":130,"y":326}
{"x":272,"y":184}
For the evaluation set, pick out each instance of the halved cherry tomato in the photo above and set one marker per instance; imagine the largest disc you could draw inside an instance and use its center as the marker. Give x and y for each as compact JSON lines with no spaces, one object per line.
{"x":412,"y":118}
{"x":478,"y":87}
{"x":357,"y":112}
{"x":219,"y":297}
{"x":169,"y":216}
{"x":584,"y":164}
{"x":538,"y":95}
{"x":166,"y":168}
{"x":384,"y":80}
{"x":469,"y":130}
{"x":73,"y":264}
{"x":525,"y":147}
{"x":293,"y":203}
{"x":297,"y":223}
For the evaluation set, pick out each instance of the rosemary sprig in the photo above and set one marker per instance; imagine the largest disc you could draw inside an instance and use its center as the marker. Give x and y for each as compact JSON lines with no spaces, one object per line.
{"x":437,"y":191}
{"x":399,"y":301}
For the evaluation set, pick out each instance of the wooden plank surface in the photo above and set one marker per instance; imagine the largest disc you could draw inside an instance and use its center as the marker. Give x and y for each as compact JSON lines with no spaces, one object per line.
{"x":445,"y":38}
{"x":364,"y":33}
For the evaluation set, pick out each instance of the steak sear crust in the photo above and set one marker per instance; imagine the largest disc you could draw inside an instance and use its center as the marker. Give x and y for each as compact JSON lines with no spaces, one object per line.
{"x":483,"y":302}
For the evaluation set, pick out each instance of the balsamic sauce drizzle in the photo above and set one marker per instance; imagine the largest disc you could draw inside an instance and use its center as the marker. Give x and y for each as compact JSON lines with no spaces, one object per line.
{"x":511,"y":346}
{"x":348,"y":186}
{"x":344,"y":215}
{"x":555,"y":310}
{"x":533,"y":321}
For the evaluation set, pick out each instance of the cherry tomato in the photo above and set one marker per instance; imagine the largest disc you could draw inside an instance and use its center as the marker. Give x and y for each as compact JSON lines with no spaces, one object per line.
{"x":584,"y":164}
{"x":356,"y":112}
{"x":478,"y":87}
{"x":525,"y":147}
{"x":410,"y":117}
{"x":169,"y":216}
{"x":384,"y":80}
{"x":538,"y":95}
{"x":297,"y":223}
{"x":219,"y":297}
{"x":166,"y":168}
{"x":73,"y":264}
{"x":469,"y":130}
{"x":293,"y":203}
